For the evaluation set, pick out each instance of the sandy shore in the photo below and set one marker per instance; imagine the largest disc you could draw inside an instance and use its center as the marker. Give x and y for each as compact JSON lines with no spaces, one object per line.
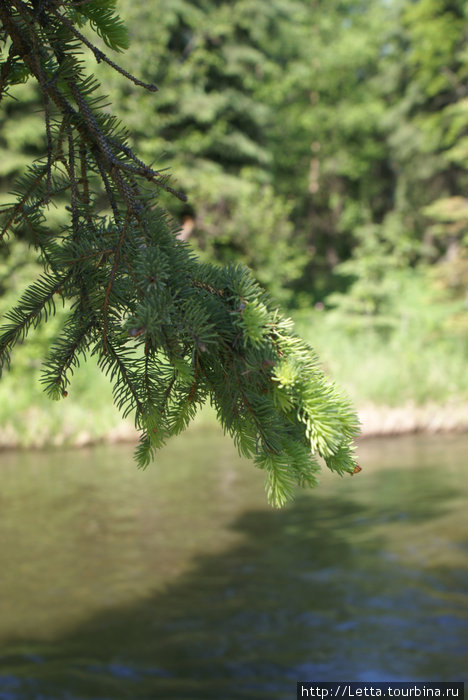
{"x":375,"y":420}
{"x":411,"y":418}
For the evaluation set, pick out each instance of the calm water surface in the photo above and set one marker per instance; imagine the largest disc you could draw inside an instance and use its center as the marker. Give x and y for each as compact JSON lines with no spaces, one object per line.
{"x":180,"y":582}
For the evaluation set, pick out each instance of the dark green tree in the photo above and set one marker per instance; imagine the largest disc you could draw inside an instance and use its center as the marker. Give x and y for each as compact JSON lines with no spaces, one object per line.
{"x":422,"y":78}
{"x":170,"y":331}
{"x":436,"y":115}
{"x":330,"y":137}
{"x":216,"y":64}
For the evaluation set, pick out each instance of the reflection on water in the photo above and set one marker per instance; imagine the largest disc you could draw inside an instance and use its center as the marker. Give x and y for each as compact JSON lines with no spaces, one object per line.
{"x":180,"y":582}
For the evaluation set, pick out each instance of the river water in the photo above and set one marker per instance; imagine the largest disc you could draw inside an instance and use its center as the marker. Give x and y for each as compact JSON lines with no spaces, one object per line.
{"x":180,"y":582}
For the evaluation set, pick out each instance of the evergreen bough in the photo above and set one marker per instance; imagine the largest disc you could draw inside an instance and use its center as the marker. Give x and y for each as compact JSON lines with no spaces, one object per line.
{"x":171,"y":332}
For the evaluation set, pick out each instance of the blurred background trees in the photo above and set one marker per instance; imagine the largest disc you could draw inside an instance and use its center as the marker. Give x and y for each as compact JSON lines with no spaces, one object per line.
{"x":322,"y":143}
{"x":307,"y":134}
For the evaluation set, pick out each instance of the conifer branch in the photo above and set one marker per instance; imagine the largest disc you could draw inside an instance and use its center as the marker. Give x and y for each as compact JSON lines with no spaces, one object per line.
{"x":168,"y":330}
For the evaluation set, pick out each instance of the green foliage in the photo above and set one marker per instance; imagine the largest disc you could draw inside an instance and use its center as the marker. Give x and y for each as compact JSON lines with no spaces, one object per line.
{"x":169,"y":331}
{"x":414,"y":214}
{"x":252,"y":225}
{"x":102,"y":17}
{"x":413,"y":352}
{"x":216,"y":64}
{"x":305,"y":135}
{"x":280,"y":122}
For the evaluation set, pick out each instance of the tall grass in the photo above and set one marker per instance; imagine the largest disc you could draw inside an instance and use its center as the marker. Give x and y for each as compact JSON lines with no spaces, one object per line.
{"x":29,"y":418}
{"x":418,"y":352}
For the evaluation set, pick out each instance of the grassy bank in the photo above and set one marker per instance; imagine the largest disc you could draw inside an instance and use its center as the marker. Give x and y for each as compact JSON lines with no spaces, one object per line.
{"x":412,"y":379}
{"x":399,"y":384}
{"x":29,"y":418}
{"x":410,"y":364}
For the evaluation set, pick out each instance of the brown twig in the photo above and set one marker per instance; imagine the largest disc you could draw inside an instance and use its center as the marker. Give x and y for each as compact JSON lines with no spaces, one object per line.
{"x":74,"y":188}
{"x":117,"y":251}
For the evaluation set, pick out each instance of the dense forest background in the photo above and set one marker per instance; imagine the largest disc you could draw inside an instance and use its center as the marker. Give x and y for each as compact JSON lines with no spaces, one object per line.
{"x":324,"y":143}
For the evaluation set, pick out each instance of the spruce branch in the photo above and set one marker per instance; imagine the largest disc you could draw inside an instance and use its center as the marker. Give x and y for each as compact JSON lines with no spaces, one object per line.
{"x":170,"y":332}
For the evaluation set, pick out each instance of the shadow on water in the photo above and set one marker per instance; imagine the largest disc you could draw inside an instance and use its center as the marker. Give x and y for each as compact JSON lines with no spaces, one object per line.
{"x":314,"y":592}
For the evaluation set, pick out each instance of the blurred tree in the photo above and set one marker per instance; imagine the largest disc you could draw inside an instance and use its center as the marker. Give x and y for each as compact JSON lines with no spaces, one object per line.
{"x":323,"y":144}
{"x":438,"y":62}
{"x":170,"y":331}
{"x":330,"y":145}
{"x":422,"y":80}
{"x":277,"y":104}
{"x":428,"y":135}
{"x":216,"y":63}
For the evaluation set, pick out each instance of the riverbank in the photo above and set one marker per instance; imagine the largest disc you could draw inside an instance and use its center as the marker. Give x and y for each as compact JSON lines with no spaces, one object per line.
{"x":379,"y":421}
{"x":376,"y":421}
{"x":401,"y":383}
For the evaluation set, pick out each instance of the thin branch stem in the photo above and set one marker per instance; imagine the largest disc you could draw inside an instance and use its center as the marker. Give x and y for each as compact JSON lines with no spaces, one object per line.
{"x":100,"y":56}
{"x":117,"y":252}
